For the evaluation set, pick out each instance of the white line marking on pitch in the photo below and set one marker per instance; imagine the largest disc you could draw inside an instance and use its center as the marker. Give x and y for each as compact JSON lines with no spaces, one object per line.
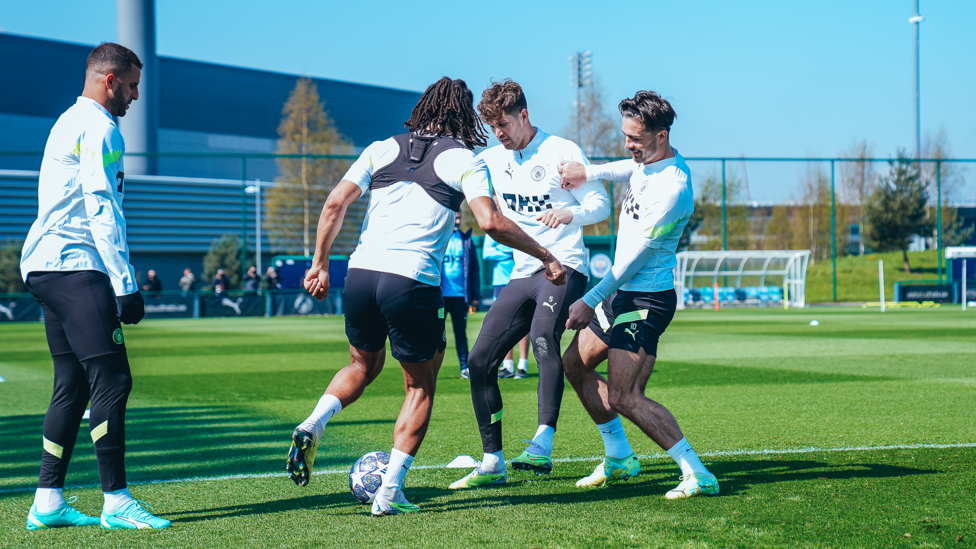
{"x":721,"y":453}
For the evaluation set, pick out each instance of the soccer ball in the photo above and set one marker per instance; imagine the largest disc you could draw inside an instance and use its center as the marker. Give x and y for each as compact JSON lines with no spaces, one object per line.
{"x":365,"y":476}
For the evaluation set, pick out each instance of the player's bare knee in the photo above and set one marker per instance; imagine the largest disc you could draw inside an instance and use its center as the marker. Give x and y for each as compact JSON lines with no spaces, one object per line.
{"x":619,"y":399}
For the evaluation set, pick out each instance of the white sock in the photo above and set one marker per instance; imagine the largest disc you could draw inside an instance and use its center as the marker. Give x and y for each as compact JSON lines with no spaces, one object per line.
{"x":493,"y":463}
{"x":396,"y":471}
{"x":686,"y":458}
{"x":47,"y":500}
{"x":325,"y":410}
{"x":543,"y":437}
{"x":115,"y":499}
{"x":523,"y":364}
{"x":614,"y":439}
{"x":508,"y":365}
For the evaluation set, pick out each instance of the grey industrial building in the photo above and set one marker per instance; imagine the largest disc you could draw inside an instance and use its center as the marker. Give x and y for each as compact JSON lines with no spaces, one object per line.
{"x":181,"y":204}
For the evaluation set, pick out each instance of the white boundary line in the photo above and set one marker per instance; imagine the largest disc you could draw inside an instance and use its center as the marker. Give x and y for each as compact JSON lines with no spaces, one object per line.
{"x":721,"y":453}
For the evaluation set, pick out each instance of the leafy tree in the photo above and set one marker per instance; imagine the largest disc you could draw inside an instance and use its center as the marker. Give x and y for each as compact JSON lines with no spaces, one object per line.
{"x":694,"y":222}
{"x":10,"y":279}
{"x":596,"y":129}
{"x":857,"y":183}
{"x":944,"y":176}
{"x":300,"y":190}
{"x":781,"y":232}
{"x":806,"y":223}
{"x":897,"y":209}
{"x":708,"y":206}
{"x":813,"y":215}
{"x":225,"y":253}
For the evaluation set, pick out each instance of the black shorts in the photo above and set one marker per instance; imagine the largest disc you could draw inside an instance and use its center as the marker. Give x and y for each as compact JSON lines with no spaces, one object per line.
{"x":81,"y":315}
{"x":634,"y":320}
{"x":380,"y":305}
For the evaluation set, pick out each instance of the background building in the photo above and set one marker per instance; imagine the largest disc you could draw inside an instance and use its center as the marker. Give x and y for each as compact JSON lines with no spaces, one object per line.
{"x":215,"y":115}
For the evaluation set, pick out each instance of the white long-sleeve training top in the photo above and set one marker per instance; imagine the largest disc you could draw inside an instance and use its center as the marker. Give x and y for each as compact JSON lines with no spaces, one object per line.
{"x":80,"y":225}
{"x":528,"y":183}
{"x":655,"y":210}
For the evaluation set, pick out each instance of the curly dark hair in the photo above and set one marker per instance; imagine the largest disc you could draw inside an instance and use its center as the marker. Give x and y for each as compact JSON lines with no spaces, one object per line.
{"x":653,"y":111}
{"x":505,"y":97}
{"x":447,"y":108}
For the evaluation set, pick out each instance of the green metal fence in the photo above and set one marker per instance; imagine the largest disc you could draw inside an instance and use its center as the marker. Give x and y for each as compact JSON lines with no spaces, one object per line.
{"x":731,"y":218}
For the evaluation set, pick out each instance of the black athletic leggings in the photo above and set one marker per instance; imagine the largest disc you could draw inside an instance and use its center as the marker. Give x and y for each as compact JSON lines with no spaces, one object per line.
{"x":458,"y":309}
{"x":87,"y":347}
{"x":531,"y":306}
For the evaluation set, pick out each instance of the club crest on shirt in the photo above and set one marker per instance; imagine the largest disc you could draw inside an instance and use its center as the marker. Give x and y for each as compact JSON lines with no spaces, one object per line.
{"x":527,"y":204}
{"x":120,"y":177}
{"x":538,"y":173}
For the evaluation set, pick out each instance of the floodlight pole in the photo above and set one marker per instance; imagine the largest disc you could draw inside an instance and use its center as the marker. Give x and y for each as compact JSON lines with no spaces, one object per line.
{"x":257,"y":228}
{"x":243,"y":218}
{"x":938,"y":213}
{"x":724,"y":232}
{"x":581,"y":75}
{"x":833,"y":230}
{"x":917,"y":20}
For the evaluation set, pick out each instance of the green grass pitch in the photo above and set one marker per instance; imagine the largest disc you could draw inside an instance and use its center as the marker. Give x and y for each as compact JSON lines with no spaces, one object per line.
{"x":858,"y":432}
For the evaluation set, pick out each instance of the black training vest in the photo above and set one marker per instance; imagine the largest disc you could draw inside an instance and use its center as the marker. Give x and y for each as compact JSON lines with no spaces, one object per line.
{"x":415,"y":163}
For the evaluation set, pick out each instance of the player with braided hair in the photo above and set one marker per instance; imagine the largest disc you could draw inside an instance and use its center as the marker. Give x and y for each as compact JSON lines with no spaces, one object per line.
{"x":447,"y":108}
{"x":416,"y":182}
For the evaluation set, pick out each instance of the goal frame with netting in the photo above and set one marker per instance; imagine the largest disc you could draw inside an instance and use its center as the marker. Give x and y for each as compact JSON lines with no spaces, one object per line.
{"x":732,"y":265}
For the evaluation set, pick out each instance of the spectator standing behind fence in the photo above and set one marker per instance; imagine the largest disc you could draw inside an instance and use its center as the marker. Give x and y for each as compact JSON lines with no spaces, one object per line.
{"x":461,"y":286}
{"x":153,"y":284}
{"x":271,"y":280}
{"x":504,"y":260}
{"x":188,"y":282}
{"x":220,"y":282}
{"x":251,"y":281}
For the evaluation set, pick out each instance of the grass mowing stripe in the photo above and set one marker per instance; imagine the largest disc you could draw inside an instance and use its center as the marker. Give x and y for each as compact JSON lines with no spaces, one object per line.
{"x":810,"y":450}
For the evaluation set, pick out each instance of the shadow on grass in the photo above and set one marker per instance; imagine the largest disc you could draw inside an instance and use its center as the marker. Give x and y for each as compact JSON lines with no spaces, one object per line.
{"x":735,"y":477}
{"x":168,"y":443}
{"x":304,"y":503}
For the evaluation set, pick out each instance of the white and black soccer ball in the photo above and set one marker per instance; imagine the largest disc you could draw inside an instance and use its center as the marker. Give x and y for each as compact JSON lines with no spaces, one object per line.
{"x":365,"y":477}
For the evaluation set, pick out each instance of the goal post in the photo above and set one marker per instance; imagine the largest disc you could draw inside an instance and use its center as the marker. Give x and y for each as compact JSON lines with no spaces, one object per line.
{"x":744,"y":277}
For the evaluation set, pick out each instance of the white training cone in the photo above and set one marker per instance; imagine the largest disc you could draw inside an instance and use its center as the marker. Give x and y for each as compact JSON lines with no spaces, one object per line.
{"x":462,"y":462}
{"x":814,"y":323}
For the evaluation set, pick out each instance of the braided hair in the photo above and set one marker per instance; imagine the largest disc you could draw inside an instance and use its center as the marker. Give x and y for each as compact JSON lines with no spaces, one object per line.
{"x":447,"y":108}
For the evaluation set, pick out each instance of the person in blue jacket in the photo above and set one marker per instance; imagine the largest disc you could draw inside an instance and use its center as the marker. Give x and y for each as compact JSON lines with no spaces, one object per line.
{"x":461,"y":286}
{"x":504,"y":262}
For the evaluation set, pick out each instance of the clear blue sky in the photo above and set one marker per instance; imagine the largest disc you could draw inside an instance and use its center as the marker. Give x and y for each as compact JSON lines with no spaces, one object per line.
{"x":767,"y":78}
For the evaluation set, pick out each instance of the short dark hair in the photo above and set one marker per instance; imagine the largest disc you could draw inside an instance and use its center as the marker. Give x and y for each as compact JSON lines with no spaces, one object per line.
{"x":447,"y":108}
{"x":501,"y":98}
{"x":112,"y":58}
{"x":653,"y":111}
